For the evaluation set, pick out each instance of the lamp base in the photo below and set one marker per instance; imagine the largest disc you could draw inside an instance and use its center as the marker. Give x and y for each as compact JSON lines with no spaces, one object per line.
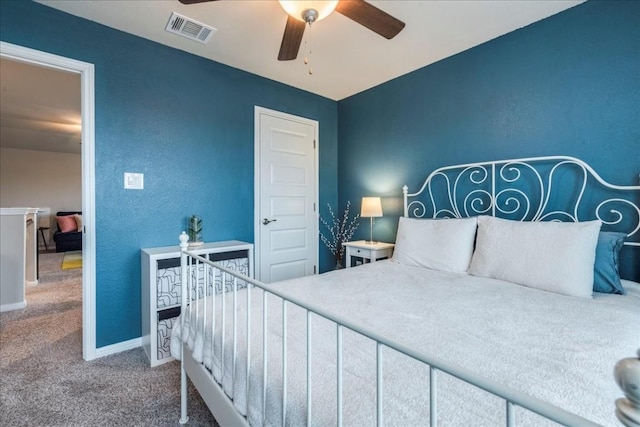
{"x":371,"y":242}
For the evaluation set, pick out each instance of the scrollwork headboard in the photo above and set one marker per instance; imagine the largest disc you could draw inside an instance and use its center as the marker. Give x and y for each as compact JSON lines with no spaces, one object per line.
{"x":556,"y":188}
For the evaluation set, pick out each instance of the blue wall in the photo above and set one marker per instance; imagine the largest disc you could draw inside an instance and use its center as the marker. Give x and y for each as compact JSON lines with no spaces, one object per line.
{"x":567,"y":85}
{"x":185,"y":122}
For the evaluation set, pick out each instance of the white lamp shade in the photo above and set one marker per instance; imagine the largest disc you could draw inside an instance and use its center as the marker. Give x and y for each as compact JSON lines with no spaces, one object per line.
{"x":296,"y":7}
{"x":371,"y":207}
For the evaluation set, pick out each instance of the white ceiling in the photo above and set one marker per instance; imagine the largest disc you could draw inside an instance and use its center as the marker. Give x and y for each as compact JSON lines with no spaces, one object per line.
{"x":346,"y":57}
{"x":40,"y":108}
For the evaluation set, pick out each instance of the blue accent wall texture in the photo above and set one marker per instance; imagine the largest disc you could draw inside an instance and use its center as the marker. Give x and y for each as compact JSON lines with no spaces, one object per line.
{"x":567,"y":85}
{"x":187,"y":123}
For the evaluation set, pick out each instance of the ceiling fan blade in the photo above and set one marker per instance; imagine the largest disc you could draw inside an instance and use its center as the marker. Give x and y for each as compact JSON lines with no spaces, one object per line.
{"x":371,"y":17}
{"x":291,"y":39}
{"x":194,"y":1}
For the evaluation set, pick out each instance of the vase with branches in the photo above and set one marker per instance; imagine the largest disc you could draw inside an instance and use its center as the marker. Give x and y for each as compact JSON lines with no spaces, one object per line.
{"x":337,"y":231}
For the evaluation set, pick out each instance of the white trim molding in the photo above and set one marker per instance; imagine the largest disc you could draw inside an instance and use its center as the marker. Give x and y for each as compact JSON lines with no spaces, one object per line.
{"x":87,"y":81}
{"x":10,"y":307}
{"x":119,"y":347}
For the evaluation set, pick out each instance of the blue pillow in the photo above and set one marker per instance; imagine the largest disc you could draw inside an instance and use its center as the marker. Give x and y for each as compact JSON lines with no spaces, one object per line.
{"x":606,"y":276}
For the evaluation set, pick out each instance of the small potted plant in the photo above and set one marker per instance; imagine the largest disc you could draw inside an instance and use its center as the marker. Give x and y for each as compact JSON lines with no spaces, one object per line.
{"x":337,"y":231}
{"x":195,"y":231}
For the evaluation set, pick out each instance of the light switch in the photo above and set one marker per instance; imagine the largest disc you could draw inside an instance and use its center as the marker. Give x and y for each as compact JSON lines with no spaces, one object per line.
{"x":133,"y":181}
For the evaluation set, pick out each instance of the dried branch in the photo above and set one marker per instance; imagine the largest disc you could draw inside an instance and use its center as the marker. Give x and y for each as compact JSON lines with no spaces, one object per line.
{"x":338,"y":231}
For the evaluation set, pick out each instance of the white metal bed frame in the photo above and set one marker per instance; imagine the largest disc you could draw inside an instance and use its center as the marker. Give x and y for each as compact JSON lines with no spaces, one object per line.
{"x":496,"y":193}
{"x":497,"y":199}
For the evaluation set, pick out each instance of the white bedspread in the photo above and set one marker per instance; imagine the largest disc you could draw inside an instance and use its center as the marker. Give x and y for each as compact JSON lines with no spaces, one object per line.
{"x":560,"y":349}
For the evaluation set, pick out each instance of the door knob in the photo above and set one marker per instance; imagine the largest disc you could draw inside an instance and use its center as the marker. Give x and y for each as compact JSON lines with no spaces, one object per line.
{"x":266,"y":221}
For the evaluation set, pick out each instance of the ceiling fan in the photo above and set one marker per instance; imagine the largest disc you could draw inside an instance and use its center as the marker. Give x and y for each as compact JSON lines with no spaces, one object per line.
{"x":302,"y":13}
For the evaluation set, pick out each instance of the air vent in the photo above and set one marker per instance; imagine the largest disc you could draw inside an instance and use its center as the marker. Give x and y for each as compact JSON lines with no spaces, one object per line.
{"x":187,"y":27}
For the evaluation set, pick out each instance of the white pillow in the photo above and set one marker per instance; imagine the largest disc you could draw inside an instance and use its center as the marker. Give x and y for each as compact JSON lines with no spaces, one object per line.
{"x":439,"y":244}
{"x":552,"y":256}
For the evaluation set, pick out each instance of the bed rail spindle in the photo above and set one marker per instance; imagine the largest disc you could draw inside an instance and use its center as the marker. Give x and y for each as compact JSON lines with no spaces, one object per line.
{"x":235,"y":333}
{"x":264,"y":356}
{"x":248,"y":367}
{"x":183,"y":309}
{"x":205,"y":287}
{"x":206,"y":281}
{"x":223,"y":324}
{"x":339,"y":372}
{"x":206,"y":278}
{"x":308,"y":367}
{"x":433,"y":396}
{"x":284,"y":362}
{"x":189,"y":285}
{"x":213,"y":317}
{"x":195,"y":290}
{"x":379,"y":397}
{"x":510,"y":415}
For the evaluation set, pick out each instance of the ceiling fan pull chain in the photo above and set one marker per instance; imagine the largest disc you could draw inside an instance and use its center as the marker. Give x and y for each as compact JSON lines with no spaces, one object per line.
{"x":307,"y":43}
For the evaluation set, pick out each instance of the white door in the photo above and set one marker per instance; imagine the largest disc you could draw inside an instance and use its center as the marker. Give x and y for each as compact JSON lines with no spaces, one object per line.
{"x":286,"y":186}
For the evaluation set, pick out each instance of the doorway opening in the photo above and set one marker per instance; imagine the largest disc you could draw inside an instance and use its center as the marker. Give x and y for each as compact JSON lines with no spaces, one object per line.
{"x":85,"y":71}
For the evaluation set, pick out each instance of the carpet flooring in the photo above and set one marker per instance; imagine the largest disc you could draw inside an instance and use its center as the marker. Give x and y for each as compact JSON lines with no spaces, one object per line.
{"x":50,"y":269}
{"x":45,"y":382}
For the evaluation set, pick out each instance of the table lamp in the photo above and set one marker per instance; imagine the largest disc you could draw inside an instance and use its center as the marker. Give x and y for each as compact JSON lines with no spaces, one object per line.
{"x":371,"y":208}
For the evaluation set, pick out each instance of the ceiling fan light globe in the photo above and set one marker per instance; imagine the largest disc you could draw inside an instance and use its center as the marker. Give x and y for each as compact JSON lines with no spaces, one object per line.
{"x":297,"y":8}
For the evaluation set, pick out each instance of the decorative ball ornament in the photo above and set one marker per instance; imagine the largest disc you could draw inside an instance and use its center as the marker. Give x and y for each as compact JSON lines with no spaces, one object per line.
{"x":627,"y":375}
{"x":184,"y":238}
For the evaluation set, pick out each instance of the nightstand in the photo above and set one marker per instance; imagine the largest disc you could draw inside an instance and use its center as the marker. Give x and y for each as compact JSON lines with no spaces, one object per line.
{"x":367,"y":251}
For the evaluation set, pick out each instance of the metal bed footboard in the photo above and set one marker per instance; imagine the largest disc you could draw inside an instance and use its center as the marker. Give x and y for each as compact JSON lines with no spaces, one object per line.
{"x":190,"y":278}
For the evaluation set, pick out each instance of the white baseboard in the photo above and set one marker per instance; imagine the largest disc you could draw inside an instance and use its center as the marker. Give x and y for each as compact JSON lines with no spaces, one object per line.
{"x":11,"y":307}
{"x":118,"y":347}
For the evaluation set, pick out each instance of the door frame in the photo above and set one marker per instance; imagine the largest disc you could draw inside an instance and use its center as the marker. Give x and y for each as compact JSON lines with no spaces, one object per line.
{"x":257,"y":187}
{"x":87,"y":109}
